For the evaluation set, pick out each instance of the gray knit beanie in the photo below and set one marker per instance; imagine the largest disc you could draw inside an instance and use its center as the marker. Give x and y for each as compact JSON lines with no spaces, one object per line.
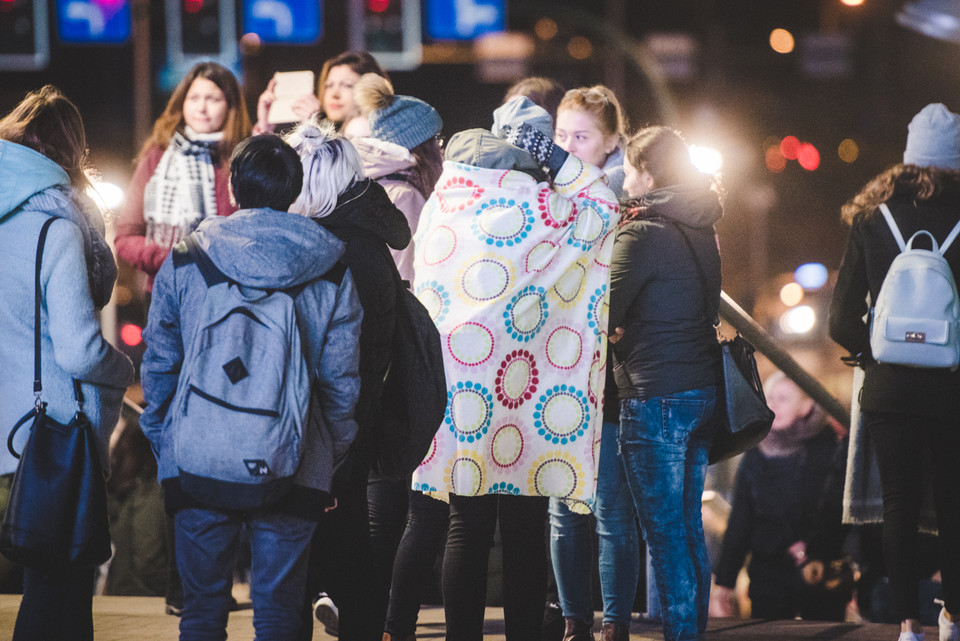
{"x":933,"y":138}
{"x":519,"y":110}
{"x":407,"y":122}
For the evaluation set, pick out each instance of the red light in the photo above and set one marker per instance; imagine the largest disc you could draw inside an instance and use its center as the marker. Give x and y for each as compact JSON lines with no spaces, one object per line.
{"x":378,"y":6}
{"x":774,"y":160}
{"x":7,"y":5}
{"x":790,"y":147}
{"x":808,"y":157}
{"x":192,"y":6}
{"x":131,"y":334}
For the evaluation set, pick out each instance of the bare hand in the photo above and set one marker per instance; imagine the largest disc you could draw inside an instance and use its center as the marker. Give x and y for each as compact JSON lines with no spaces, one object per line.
{"x":813,"y":572}
{"x":305,"y":106}
{"x":723,"y":602}
{"x":616,"y":335}
{"x":266,"y":99}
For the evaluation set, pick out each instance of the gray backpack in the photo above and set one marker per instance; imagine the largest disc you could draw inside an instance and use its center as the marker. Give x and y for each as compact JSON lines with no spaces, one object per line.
{"x":244,"y":391}
{"x":916,"y":319}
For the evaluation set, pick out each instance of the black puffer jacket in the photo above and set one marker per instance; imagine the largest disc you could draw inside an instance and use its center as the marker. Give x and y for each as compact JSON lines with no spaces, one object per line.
{"x":669,"y":344}
{"x":367,"y":223}
{"x":871,"y":249}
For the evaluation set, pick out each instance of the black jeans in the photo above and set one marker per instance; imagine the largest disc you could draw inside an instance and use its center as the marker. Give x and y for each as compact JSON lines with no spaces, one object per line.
{"x":340,"y":562}
{"x":473,"y":520}
{"x":427,"y":523}
{"x":387,"y":511}
{"x":906,"y":447}
{"x":56,"y":606}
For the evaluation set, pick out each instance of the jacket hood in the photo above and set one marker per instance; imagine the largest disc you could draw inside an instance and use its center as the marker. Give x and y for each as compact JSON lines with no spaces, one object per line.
{"x":24,"y":172}
{"x":381,"y":158}
{"x":366,"y":206}
{"x":480,"y":148}
{"x":693,"y":205}
{"x":268,"y":249}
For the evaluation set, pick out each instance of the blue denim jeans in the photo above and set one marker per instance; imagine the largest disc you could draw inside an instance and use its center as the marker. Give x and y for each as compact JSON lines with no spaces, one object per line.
{"x":206,"y":549}
{"x":570,"y":542}
{"x":664,"y":443}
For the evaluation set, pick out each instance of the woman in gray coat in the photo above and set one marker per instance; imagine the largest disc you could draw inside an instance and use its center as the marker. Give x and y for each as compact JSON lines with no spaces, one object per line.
{"x":42,"y":156}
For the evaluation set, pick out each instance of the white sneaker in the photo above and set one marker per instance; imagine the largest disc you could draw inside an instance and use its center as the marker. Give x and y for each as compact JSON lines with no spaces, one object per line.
{"x":911,"y":636}
{"x":326,"y":612}
{"x":949,"y":630}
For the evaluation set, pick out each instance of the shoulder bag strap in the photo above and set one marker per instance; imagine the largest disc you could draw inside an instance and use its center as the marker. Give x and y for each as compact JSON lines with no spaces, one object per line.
{"x":700,"y":273}
{"x":893,"y":226}
{"x":37,"y":301}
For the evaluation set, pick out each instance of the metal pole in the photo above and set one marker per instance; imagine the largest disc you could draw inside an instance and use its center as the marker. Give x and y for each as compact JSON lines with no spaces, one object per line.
{"x":142,"y":78}
{"x":768,"y":346}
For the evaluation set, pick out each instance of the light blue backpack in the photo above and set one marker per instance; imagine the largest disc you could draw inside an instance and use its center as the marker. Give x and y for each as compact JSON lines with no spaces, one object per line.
{"x":916,"y":319}
{"x":241,"y":404}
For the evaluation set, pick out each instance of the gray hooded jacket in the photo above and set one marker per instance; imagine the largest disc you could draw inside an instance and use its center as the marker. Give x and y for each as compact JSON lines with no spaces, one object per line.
{"x":32,"y":189}
{"x":266,"y":249}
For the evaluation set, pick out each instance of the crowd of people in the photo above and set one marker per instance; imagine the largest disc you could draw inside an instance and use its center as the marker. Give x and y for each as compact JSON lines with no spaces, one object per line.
{"x":572,"y":271}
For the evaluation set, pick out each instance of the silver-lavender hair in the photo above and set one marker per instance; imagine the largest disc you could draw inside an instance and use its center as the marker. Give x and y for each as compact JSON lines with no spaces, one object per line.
{"x":330,"y":166}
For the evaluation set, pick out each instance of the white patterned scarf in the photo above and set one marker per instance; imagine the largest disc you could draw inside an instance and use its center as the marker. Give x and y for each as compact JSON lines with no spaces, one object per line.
{"x":182,"y":190}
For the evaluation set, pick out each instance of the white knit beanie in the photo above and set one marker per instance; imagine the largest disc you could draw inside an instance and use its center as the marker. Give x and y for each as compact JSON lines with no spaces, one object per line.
{"x":933,"y":138}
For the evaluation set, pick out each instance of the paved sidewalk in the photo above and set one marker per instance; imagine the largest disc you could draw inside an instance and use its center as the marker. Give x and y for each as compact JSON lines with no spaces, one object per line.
{"x":143,"y":619}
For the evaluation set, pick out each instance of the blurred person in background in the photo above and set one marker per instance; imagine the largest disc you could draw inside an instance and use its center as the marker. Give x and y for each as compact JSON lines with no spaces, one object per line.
{"x":778,"y":498}
{"x":358,"y":211}
{"x":182,"y":172}
{"x":664,"y":298}
{"x":545,"y":92}
{"x":43,"y":152}
{"x":334,"y":98}
{"x":591,"y":126}
{"x":910,"y":413}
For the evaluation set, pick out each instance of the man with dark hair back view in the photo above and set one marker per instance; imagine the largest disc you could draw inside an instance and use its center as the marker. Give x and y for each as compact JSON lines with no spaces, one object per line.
{"x":256,"y":253}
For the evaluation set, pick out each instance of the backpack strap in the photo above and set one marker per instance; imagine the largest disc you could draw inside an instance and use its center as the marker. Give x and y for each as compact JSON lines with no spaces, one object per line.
{"x":893,"y":226}
{"x":899,"y":237}
{"x":953,"y":235}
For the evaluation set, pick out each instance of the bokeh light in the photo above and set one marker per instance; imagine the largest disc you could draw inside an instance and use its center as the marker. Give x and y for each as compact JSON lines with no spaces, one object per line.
{"x":545,"y":28}
{"x":811,"y":276}
{"x":131,"y":334}
{"x":774,"y":160}
{"x":706,"y":160}
{"x":798,"y":320}
{"x":848,"y":150}
{"x":107,"y":194}
{"x":791,"y":294}
{"x":808,"y":157}
{"x":781,"y":41}
{"x":790,"y":147}
{"x":580,"y":48}
{"x":852,"y":3}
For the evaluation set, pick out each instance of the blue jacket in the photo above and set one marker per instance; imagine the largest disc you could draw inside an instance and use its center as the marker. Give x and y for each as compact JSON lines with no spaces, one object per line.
{"x":272,"y":250}
{"x":72,"y":345}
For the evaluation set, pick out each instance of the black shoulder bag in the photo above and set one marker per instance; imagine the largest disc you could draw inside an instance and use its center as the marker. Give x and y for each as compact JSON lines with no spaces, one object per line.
{"x":745,"y":419}
{"x":57,"y":515}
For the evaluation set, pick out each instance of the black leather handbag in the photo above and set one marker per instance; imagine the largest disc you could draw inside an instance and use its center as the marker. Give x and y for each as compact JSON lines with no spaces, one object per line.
{"x":745,"y":418}
{"x":57,"y":514}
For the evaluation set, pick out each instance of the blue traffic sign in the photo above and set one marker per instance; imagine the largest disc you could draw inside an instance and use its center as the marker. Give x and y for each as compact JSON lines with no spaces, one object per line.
{"x":464,"y":19}
{"x":93,"y":21}
{"x":283,"y":21}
